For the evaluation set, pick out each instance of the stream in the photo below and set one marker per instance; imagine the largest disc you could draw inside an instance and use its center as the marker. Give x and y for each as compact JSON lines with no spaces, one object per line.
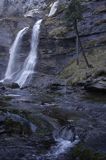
{"x":48,"y":124}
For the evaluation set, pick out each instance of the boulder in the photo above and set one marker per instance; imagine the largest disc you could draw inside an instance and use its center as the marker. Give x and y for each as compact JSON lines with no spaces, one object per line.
{"x":11,"y":85}
{"x":14,"y":124}
{"x":96,"y":85}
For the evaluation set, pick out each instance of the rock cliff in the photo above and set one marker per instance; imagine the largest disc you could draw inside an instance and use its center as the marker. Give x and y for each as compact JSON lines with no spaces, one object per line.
{"x":50,"y":108}
{"x":57,"y":41}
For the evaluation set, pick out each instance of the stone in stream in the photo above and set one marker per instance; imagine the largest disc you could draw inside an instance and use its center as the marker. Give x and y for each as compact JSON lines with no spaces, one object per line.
{"x":8,"y":84}
{"x":12,"y":85}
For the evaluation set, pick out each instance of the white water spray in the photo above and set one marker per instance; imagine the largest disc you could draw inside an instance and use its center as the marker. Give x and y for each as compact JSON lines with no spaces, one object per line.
{"x":13,"y":51}
{"x":53,"y":8}
{"x":63,"y":145}
{"x":30,"y":61}
{"x":65,"y":139}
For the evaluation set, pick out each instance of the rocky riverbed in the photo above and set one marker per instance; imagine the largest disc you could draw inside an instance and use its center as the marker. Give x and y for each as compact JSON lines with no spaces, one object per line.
{"x":29,"y":117}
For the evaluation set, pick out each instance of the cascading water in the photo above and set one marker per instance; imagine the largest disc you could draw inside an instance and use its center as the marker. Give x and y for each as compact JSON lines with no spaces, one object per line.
{"x":13,"y":51}
{"x":30,"y":61}
{"x":65,"y":138}
{"x":53,"y":8}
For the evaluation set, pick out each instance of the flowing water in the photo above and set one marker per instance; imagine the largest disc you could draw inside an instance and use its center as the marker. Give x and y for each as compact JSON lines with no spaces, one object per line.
{"x":58,"y":128}
{"x":53,"y":8}
{"x":13,"y":51}
{"x":30,"y":62}
{"x":65,"y":138}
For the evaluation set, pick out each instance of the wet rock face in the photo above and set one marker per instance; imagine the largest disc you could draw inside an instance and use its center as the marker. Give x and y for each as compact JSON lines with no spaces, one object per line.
{"x":14,"y":7}
{"x":57,"y":41}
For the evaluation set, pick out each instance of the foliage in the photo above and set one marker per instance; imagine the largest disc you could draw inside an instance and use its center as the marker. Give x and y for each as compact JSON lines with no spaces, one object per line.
{"x":75,"y":74}
{"x":74,"y":14}
{"x":74,"y":11}
{"x":83,"y":153}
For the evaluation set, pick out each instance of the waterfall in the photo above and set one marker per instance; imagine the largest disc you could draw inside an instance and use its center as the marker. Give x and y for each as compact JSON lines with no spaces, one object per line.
{"x":30,"y":62}
{"x":13,"y":51}
{"x":53,"y":8}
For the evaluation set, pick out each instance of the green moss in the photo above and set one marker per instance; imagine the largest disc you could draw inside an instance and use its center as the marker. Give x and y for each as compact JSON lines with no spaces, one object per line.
{"x":59,"y":31}
{"x":83,"y":153}
{"x":51,"y":21}
{"x":14,"y":127}
{"x":90,"y":43}
{"x":77,"y":73}
{"x":62,"y":7}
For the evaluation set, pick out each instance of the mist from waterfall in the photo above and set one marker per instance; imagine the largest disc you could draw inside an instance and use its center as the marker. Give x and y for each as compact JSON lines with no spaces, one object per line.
{"x":30,"y":62}
{"x":13,"y":51}
{"x":53,"y":8}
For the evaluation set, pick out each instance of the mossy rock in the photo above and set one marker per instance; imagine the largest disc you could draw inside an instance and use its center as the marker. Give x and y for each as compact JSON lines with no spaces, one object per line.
{"x":75,"y":74}
{"x":22,"y":122}
{"x":15,"y":124}
{"x":58,"y":32}
{"x":81,"y":152}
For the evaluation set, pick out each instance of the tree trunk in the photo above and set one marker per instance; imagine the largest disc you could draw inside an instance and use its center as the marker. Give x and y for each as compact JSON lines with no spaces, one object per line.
{"x":77,"y":33}
{"x":77,"y":49}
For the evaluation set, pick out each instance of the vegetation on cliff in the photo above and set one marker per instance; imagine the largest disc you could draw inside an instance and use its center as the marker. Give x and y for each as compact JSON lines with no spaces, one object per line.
{"x":78,"y":73}
{"x":73,"y":15}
